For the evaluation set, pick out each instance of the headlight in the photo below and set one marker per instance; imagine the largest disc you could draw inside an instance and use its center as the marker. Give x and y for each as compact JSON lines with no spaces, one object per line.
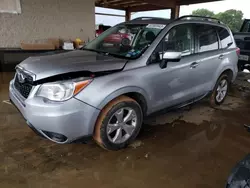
{"x":61,"y":91}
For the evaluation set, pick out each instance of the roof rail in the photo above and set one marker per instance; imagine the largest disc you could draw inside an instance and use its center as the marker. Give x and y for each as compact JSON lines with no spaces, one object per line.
{"x":201,"y":18}
{"x":149,"y":18}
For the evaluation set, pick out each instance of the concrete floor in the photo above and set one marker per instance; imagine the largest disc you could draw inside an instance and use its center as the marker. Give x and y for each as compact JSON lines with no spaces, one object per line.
{"x":193,"y":147}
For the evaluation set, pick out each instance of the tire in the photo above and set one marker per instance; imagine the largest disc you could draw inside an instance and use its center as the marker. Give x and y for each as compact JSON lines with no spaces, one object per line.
{"x":214,"y":99}
{"x":119,"y":138}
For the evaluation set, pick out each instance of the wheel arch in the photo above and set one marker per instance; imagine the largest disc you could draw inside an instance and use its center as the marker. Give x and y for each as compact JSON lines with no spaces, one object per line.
{"x":230,"y":74}
{"x":227,"y":70}
{"x":138,"y":94}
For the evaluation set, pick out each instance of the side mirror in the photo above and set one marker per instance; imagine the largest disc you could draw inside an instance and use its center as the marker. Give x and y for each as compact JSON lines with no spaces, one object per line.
{"x":170,"y":56}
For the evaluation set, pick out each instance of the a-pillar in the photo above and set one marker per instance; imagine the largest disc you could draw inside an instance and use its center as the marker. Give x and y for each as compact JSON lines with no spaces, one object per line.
{"x":175,"y":12}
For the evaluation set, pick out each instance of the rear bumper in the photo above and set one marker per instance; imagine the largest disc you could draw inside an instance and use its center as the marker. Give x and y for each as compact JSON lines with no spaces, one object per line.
{"x":60,"y":122}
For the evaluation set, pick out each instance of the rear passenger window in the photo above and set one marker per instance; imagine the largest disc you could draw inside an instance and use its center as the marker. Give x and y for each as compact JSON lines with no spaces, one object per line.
{"x":225,"y":38}
{"x":207,"y":38}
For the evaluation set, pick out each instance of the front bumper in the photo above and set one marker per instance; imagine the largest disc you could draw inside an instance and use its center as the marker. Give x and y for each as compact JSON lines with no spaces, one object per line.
{"x":60,"y":122}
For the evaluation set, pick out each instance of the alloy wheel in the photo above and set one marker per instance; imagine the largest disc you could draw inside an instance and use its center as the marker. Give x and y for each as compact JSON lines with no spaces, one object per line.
{"x":222,"y":90}
{"x":121,"y":125}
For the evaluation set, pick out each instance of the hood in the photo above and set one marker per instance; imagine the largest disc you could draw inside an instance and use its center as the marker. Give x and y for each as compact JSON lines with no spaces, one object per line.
{"x":70,"y":62}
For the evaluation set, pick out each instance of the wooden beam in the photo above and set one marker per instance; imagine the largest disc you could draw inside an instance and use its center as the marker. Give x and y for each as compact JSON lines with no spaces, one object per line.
{"x":188,"y":2}
{"x":123,"y":4}
{"x":112,"y":7}
{"x":146,"y":8}
{"x":175,"y":12}
{"x":128,"y":15}
{"x":105,"y":14}
{"x":161,"y":3}
{"x":129,"y":5}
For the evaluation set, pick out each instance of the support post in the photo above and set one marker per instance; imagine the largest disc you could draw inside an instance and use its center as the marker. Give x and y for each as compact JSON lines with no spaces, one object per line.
{"x":127,"y":15}
{"x":175,"y":12}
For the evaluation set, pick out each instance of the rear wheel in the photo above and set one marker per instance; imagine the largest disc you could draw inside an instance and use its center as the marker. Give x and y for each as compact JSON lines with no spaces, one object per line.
{"x":118,"y":124}
{"x":220,"y":91}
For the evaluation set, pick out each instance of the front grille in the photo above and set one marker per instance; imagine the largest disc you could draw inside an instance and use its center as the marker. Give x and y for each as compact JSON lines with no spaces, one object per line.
{"x":25,"y":87}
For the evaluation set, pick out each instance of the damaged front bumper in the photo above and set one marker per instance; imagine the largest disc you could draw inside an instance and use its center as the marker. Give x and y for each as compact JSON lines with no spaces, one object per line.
{"x":60,"y":122}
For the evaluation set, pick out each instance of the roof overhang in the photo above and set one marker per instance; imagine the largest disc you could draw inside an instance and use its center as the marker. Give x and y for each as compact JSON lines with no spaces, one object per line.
{"x":145,"y":5}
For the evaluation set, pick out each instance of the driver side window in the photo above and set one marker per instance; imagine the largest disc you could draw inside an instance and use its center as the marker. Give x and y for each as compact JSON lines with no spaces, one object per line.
{"x":179,"y":39}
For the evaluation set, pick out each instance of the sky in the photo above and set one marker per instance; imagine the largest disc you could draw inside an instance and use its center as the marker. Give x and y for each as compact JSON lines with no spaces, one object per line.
{"x":219,"y":6}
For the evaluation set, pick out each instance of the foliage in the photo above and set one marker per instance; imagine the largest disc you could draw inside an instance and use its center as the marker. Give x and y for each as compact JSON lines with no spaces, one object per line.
{"x":203,"y":12}
{"x":232,"y":18}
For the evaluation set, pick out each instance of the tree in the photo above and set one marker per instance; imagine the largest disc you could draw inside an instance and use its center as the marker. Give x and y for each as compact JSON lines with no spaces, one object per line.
{"x":203,"y":12}
{"x":233,"y":18}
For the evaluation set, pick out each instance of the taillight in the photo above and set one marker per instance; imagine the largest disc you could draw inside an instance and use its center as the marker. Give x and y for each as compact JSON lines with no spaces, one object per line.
{"x":238,"y":51}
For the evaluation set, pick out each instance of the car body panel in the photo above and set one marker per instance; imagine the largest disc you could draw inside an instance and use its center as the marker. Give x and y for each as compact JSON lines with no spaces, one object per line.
{"x":74,"y":61}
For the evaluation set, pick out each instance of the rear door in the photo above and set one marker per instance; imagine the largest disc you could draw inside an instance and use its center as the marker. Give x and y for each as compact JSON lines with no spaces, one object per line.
{"x":210,"y":57}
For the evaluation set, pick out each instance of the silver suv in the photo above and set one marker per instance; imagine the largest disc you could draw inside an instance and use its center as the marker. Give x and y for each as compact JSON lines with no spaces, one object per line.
{"x":130,"y":71}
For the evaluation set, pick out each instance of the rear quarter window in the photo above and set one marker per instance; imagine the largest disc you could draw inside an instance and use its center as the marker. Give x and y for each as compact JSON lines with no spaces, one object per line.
{"x":225,"y":37}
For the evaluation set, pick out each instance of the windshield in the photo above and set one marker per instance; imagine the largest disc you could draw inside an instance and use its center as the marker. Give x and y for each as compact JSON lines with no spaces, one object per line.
{"x":126,"y":40}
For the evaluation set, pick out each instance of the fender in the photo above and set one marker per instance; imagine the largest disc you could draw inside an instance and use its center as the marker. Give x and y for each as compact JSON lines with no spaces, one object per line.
{"x":220,"y":71}
{"x":123,"y":91}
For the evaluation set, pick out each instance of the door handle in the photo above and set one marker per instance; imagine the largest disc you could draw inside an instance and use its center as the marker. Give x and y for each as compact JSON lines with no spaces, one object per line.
{"x":221,"y":56}
{"x":194,"y":65}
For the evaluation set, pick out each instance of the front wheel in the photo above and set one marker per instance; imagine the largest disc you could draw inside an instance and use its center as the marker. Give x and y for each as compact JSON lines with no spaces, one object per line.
{"x":118,"y":124}
{"x":220,"y":91}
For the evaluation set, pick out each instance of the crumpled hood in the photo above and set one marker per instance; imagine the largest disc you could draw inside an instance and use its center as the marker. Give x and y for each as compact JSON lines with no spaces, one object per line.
{"x":74,"y":61}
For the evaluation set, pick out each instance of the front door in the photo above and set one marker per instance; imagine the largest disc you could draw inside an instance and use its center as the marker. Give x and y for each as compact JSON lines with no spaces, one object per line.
{"x":176,"y":83}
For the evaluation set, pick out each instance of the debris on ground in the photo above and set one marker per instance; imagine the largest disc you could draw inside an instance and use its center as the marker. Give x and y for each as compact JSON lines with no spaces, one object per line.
{"x":147,"y":155}
{"x":7,"y":102}
{"x":136,"y":144}
{"x":246,"y":71}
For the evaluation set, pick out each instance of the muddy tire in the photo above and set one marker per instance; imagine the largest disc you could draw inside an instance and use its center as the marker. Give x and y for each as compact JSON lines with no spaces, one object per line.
{"x":118,"y":123}
{"x":220,"y":91}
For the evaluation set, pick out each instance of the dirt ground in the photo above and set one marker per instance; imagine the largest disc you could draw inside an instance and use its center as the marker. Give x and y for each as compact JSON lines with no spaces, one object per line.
{"x":193,"y":147}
